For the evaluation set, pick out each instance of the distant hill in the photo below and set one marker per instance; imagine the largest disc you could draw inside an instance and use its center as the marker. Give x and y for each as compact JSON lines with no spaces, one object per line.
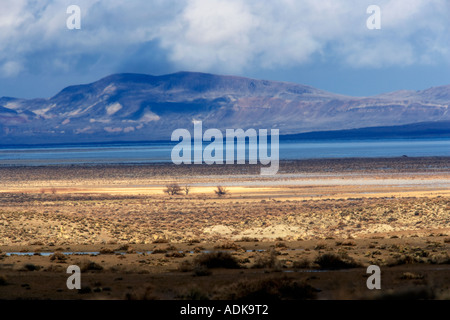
{"x":138,"y":107}
{"x":438,"y":129}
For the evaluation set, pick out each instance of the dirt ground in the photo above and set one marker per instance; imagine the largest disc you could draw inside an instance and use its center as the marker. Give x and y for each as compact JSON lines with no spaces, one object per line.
{"x":310,"y":232}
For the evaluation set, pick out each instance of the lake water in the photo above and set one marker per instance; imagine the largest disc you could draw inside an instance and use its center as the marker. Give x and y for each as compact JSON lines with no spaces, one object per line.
{"x":161,"y":151}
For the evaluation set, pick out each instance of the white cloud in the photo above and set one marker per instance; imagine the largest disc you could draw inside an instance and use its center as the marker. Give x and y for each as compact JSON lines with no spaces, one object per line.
{"x":11,"y":68}
{"x":232,"y":35}
{"x":223,"y":35}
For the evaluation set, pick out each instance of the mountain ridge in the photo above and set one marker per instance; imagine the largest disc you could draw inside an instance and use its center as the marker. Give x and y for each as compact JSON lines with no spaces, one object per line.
{"x":133,"y":107}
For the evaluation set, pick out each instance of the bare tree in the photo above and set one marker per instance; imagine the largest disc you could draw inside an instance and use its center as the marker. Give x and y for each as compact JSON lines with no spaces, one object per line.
{"x":221,"y":191}
{"x":173,"y":189}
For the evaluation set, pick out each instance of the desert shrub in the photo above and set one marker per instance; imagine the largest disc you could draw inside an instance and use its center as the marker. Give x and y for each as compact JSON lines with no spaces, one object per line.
{"x":3,"y":280}
{"x":185,"y":266}
{"x":217,"y":260}
{"x":90,"y":266}
{"x":248,"y":239}
{"x":221,"y":191}
{"x":201,"y":271}
{"x":410,"y":276}
{"x":106,"y":251}
{"x":55,"y":268}
{"x":229,"y":246}
{"x":440,"y":259}
{"x":125,"y":247}
{"x":401,"y":260}
{"x":157,"y":250}
{"x":173,"y":189}
{"x":303,"y":263}
{"x":331,"y":261}
{"x":58,"y":256}
{"x":171,"y":247}
{"x":280,"y":245}
{"x":348,"y":243}
{"x":320,"y":246}
{"x":175,"y":254}
{"x":192,"y":241}
{"x":161,"y":240}
{"x":283,"y":288}
{"x":31,"y":267}
{"x":267,"y":260}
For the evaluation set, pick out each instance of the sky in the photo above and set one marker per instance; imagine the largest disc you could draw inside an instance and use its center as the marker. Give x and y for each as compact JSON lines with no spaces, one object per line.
{"x":326,"y":44}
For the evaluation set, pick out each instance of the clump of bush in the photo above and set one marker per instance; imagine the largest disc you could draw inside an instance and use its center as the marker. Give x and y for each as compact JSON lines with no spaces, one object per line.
{"x":411,"y":276}
{"x":283,"y":288}
{"x":303,"y":263}
{"x":440,"y":259}
{"x":185,"y":266}
{"x":161,"y":239}
{"x":280,"y":245}
{"x":217,"y":259}
{"x":214,"y":260}
{"x":248,"y":239}
{"x":175,"y":254}
{"x":347,"y":243}
{"x":229,"y":246}
{"x":159,"y":250}
{"x":320,"y":246}
{"x":90,"y":266}
{"x":267,"y":260}
{"x":3,"y":280}
{"x":201,"y":271}
{"x":31,"y":267}
{"x":58,"y":256}
{"x":106,"y":251}
{"x":331,"y":261}
{"x":402,"y":259}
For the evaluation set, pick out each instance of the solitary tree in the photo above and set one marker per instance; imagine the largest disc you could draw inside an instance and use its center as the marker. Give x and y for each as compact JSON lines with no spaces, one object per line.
{"x":221,"y":191}
{"x":173,"y":189}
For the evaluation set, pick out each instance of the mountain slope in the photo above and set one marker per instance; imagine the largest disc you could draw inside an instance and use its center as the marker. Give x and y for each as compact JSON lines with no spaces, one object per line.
{"x":132,"y":107}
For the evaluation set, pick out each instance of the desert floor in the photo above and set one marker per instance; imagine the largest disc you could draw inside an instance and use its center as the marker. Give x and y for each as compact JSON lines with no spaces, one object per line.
{"x":309,"y":232}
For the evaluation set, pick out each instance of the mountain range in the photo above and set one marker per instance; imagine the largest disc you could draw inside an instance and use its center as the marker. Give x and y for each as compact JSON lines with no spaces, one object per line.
{"x":139,"y":107}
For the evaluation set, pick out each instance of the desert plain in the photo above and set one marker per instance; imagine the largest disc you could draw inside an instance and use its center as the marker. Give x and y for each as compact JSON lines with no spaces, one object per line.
{"x":309,"y":232}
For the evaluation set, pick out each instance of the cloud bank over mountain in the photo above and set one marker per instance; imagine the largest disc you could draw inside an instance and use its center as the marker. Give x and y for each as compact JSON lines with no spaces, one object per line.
{"x":220,"y":36}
